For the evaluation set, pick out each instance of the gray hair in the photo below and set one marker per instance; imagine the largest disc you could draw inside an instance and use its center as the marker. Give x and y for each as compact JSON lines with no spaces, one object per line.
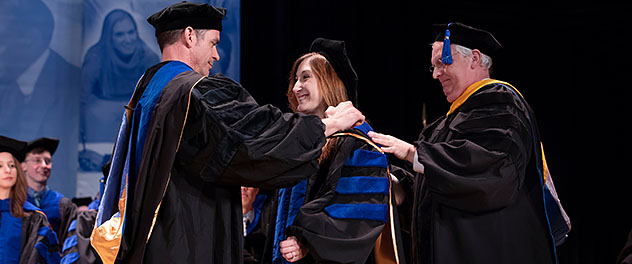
{"x":486,"y":61}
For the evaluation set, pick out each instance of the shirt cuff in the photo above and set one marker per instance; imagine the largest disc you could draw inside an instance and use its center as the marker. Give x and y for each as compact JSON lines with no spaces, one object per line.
{"x":417,"y":166}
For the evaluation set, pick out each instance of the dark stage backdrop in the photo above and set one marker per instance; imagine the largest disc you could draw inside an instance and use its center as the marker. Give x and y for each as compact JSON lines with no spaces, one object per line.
{"x":565,"y":57}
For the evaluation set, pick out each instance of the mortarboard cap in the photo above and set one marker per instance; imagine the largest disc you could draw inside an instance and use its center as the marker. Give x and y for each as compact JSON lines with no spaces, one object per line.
{"x":17,"y":148}
{"x":467,"y":36}
{"x":185,"y":14}
{"x":49,"y":144}
{"x":334,"y":51}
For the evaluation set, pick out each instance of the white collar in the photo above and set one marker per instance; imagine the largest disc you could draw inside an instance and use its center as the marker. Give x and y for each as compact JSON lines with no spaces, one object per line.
{"x":250,"y":215}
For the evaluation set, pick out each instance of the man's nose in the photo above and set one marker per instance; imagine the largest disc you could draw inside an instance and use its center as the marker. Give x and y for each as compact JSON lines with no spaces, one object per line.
{"x":216,"y":54}
{"x":436,"y":73}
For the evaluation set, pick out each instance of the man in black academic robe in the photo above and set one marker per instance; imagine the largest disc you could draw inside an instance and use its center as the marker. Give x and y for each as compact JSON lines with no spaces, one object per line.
{"x":478,"y":197}
{"x":188,"y":142}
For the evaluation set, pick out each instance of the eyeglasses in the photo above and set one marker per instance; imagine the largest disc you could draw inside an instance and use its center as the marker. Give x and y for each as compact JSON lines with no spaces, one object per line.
{"x":40,"y":160}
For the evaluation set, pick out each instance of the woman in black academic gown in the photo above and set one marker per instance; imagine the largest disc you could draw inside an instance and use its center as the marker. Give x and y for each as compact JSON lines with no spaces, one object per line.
{"x":337,"y":215}
{"x":26,"y":234}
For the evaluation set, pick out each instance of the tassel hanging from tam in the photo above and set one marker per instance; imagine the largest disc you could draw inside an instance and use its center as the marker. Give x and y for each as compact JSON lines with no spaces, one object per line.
{"x":446,"y":53}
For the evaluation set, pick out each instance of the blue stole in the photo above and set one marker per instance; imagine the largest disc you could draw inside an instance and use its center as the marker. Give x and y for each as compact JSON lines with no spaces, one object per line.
{"x":290,"y":201}
{"x":11,"y":236}
{"x":257,"y":205}
{"x":11,"y":230}
{"x":49,"y":204}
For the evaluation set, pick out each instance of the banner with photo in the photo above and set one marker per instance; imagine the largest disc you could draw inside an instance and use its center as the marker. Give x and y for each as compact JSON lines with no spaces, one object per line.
{"x":68,"y":67}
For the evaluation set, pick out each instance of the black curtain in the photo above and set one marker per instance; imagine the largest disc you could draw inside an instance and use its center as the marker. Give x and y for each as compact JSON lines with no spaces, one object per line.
{"x":565,"y":57}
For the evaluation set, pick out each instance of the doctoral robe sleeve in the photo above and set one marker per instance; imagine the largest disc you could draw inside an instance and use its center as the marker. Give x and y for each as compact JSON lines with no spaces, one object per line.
{"x":76,"y":247}
{"x":342,"y":224}
{"x":481,"y":163}
{"x":230,"y":139}
{"x":39,"y":241}
{"x":68,"y":214}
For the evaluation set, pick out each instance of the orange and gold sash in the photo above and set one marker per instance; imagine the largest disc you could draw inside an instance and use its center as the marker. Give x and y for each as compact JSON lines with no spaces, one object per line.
{"x":471,"y":90}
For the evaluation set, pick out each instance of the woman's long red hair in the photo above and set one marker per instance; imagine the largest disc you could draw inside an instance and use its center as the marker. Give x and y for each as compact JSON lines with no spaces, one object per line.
{"x":17,"y":195}
{"x":331,"y":87}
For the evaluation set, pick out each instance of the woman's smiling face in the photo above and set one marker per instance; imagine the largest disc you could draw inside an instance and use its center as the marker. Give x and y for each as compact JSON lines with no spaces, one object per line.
{"x":306,"y":90}
{"x":8,"y":171}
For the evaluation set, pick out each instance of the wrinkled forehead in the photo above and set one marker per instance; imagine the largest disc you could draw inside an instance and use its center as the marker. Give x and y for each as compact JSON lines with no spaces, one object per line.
{"x":437,"y":48}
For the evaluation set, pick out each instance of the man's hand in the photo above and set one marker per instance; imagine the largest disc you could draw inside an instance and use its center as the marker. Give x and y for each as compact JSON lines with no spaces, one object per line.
{"x":397,"y":147}
{"x":292,"y":250}
{"x":341,"y":117}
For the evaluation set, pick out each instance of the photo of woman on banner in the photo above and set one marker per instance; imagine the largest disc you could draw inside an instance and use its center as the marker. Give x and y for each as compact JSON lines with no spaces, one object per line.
{"x":110,"y":71}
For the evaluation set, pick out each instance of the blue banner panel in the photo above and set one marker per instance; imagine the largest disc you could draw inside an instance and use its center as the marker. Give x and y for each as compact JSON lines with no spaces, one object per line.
{"x":40,"y":79}
{"x":68,"y":67}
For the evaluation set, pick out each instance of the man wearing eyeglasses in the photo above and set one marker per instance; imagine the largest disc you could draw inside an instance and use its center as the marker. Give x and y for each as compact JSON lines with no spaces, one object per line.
{"x":478,"y":194}
{"x":37,"y":168}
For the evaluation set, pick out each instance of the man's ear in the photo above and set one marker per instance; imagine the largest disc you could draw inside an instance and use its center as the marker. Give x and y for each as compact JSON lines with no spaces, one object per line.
{"x":476,"y":58}
{"x":189,"y":37}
